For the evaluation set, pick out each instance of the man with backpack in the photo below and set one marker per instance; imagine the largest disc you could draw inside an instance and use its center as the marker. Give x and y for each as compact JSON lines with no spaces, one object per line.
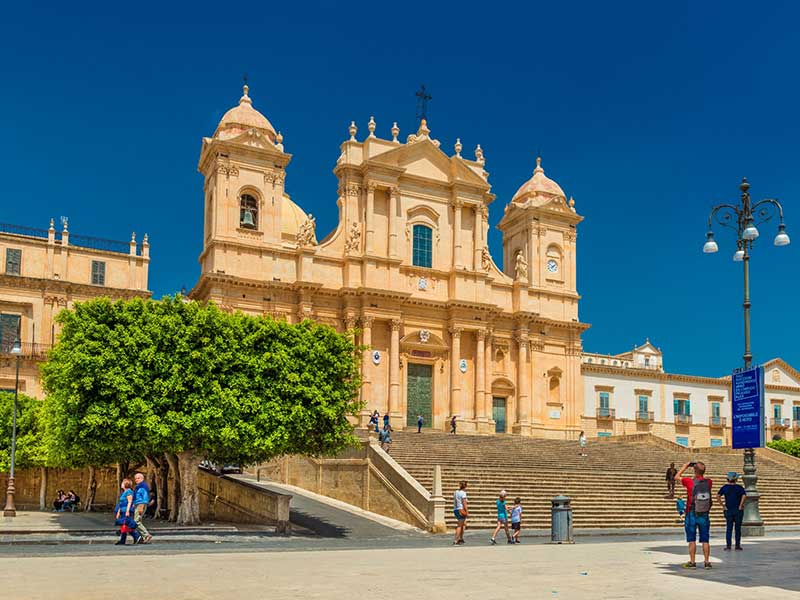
{"x":698,"y":508}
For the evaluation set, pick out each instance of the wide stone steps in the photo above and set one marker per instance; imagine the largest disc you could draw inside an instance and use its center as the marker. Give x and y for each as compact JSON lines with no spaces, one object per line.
{"x":617,"y":485}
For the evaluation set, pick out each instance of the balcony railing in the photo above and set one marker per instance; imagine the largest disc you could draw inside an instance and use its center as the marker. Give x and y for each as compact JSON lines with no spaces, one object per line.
{"x":605,"y":413}
{"x":717,"y":421}
{"x":28,"y":349}
{"x":796,"y":425}
{"x":780,"y":423}
{"x":81,"y":241}
{"x":643,"y":416}
{"x":683,"y":419}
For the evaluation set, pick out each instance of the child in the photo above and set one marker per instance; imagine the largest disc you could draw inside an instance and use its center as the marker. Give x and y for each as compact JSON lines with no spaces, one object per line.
{"x":680,"y":506}
{"x":516,"y":519}
{"x":502,"y":519}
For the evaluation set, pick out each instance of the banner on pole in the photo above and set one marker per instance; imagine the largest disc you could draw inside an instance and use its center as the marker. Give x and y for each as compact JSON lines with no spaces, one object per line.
{"x":747,"y":408}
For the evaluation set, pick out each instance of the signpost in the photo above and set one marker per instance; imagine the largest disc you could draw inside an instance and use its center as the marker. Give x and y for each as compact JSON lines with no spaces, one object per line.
{"x":747,"y":408}
{"x":747,"y":431}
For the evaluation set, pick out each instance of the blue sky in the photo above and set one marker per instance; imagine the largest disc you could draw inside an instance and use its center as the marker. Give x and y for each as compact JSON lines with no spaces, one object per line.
{"x":647,"y":114}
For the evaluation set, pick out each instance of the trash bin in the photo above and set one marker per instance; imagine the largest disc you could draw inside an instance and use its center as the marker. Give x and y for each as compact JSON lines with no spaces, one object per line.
{"x":561,"y":523}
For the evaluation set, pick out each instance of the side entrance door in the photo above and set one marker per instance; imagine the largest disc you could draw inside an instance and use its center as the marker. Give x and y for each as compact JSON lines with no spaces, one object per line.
{"x":419,"y":394}
{"x":499,"y":414}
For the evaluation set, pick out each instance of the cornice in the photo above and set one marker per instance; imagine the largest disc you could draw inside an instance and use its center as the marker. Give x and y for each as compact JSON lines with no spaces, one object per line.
{"x":70,"y":287}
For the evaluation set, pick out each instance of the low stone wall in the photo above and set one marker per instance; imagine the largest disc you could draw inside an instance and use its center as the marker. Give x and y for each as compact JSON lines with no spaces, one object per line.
{"x":28,"y":484}
{"x":224,"y":498}
{"x":365,"y":477}
{"x":782,"y":458}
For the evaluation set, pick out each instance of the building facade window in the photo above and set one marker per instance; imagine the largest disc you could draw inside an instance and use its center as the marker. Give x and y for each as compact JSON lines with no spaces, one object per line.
{"x":605,"y":404}
{"x":644,"y":402}
{"x":682,"y":441}
{"x":98,"y":272}
{"x":9,"y":331}
{"x":796,"y":413}
{"x":248,"y":212}
{"x":776,"y":411}
{"x":13,"y":261}
{"x":681,"y":406}
{"x":716,"y":443}
{"x":422,"y":247}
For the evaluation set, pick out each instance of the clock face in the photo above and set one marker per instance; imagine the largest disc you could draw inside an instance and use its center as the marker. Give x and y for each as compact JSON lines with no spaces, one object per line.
{"x":552,"y":266}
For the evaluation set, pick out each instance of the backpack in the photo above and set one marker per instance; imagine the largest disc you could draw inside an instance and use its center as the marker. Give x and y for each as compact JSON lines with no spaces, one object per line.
{"x":701,"y":497}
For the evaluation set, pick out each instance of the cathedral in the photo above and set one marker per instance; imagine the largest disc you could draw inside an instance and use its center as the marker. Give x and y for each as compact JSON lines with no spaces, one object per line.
{"x":445,"y":331}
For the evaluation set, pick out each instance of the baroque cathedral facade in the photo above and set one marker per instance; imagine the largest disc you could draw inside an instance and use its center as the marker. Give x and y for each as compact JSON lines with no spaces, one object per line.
{"x":446,"y":331}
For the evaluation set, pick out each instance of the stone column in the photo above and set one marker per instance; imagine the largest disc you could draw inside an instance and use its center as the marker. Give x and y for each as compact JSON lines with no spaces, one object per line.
{"x":523,"y":404}
{"x":487,"y":377}
{"x":394,"y":369}
{"x":394,"y":201}
{"x":370,"y":237}
{"x":455,"y":373}
{"x":366,"y":361}
{"x":457,"y":204}
{"x":477,"y":246}
{"x":480,"y":374}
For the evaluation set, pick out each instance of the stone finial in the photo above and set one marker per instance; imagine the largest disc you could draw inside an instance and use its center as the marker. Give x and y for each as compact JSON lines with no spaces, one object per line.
{"x":458,"y":147}
{"x":52,"y":224}
{"x":145,"y":240}
{"x":133,"y":237}
{"x":65,"y":223}
{"x":395,"y":133}
{"x":353,"y":130}
{"x":538,"y":168}
{"x":371,"y":127}
{"x":423,"y":128}
{"x":479,"y":154}
{"x":572,"y":204}
{"x":279,"y":141}
{"x":245,"y":99}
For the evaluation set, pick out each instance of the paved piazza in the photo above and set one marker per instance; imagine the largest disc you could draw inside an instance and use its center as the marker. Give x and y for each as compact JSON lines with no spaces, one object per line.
{"x":404,"y":567}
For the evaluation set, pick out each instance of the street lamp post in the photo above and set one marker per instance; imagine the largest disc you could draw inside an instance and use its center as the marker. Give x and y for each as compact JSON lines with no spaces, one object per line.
{"x":11,"y":510}
{"x":744,"y":218}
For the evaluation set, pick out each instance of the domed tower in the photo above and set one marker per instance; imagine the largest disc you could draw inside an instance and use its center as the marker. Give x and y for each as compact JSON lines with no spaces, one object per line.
{"x":244,"y":165}
{"x":540,"y":225}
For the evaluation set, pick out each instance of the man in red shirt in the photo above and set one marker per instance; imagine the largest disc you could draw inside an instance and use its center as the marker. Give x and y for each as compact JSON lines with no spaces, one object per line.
{"x":697,"y":521}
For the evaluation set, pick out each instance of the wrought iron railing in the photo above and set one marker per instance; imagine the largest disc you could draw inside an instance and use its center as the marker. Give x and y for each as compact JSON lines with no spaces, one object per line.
{"x":717,"y":421}
{"x":26,"y":231}
{"x":85,"y":241}
{"x":605,"y":413}
{"x":27,"y":349}
{"x":644,"y":416}
{"x":780,"y":423}
{"x":683,"y":419}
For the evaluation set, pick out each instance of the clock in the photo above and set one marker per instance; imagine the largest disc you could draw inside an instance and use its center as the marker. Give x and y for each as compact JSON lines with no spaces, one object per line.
{"x":552,"y":266}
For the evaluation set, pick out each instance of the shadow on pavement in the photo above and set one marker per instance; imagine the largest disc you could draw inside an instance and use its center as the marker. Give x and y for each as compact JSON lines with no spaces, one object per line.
{"x":316,"y":524}
{"x":768,"y":562}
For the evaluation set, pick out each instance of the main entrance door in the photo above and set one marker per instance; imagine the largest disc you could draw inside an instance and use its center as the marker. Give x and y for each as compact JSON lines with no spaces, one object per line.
{"x":419,"y":394}
{"x":499,"y":414}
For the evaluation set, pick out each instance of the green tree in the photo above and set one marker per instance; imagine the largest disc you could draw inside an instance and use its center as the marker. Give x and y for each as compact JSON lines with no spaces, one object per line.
{"x":142,"y":377}
{"x":790,"y":447}
{"x":30,"y":450}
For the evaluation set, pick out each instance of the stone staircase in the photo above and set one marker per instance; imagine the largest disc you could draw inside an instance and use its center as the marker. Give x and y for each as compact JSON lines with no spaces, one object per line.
{"x":619,"y":484}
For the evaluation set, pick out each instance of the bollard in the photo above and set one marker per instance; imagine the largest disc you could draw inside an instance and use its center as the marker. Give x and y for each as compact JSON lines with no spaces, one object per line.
{"x":561,"y":520}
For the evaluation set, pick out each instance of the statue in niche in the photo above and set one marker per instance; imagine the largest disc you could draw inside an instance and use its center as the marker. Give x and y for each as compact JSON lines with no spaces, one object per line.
{"x":486,"y":260}
{"x":305,"y":235}
{"x":521,"y":266}
{"x":353,"y":243}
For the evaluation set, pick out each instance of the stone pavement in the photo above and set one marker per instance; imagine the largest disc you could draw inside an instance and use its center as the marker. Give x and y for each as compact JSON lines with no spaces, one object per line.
{"x":599,"y":569}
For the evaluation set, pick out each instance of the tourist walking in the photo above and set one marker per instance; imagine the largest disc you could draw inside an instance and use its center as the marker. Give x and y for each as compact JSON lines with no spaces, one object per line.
{"x":670,"y":477}
{"x":385,"y":420}
{"x":516,"y":519}
{"x":124,"y":514}
{"x":373,"y":421}
{"x":141,"y":500}
{"x":502,"y":518}
{"x":461,"y":512}
{"x":385,"y":438}
{"x":453,"y":424}
{"x":698,"y":507}
{"x":582,"y":443}
{"x":420,"y":423}
{"x":735,"y":497}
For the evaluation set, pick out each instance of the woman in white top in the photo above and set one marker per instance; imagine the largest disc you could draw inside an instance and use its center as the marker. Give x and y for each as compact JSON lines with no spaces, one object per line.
{"x":582,"y":442}
{"x":460,"y":512}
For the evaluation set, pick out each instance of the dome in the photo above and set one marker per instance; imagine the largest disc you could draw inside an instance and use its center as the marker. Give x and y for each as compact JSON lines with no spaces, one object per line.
{"x":241,"y":118}
{"x":292,"y":217}
{"x":538,"y":185}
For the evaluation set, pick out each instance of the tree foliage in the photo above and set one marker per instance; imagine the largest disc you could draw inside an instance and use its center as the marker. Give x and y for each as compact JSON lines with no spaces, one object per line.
{"x":30,"y":448}
{"x":790,"y":447}
{"x":141,"y":377}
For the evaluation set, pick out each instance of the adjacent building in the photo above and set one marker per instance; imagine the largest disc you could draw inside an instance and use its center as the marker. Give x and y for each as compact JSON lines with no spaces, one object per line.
{"x":45,"y":271}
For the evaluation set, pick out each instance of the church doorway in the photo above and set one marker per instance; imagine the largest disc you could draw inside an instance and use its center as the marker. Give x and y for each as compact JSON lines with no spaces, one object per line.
{"x":499,"y":414}
{"x":419,"y":394}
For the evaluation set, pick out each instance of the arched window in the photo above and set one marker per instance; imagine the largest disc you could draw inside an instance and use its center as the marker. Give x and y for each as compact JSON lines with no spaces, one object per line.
{"x":248,"y":212}
{"x":422,"y":250}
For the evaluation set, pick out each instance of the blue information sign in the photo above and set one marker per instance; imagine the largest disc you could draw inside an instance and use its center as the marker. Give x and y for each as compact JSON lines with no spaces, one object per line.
{"x":747,"y":408}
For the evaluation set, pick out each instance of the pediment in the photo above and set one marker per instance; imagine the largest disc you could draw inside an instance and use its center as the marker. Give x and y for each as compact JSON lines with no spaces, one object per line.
{"x":253,"y":139}
{"x":779,"y":372}
{"x":424,"y":159}
{"x":647,"y":348}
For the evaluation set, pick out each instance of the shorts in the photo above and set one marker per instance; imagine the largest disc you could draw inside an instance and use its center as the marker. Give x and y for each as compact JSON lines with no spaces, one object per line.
{"x":697,"y":523}
{"x":458,"y":515}
{"x":502,"y":521}
{"x":515,"y":526}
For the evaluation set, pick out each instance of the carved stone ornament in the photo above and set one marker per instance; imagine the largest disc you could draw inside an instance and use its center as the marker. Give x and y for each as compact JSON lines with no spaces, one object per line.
{"x":486,"y":259}
{"x":462,"y":365}
{"x":228,"y":170}
{"x":352,"y":189}
{"x":396,"y":324}
{"x":424,"y":336}
{"x":570,"y":236}
{"x":366,"y":322}
{"x":353,"y":243}
{"x":305,"y":236}
{"x":520,"y":266}
{"x":376,"y":357}
{"x":422,"y":284}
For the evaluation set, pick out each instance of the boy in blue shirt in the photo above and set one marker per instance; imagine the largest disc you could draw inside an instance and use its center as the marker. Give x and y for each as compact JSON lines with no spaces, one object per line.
{"x":735,"y":497}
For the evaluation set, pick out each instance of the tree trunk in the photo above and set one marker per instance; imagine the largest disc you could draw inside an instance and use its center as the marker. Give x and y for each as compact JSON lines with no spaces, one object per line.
{"x":122,"y":472}
{"x":43,"y":489}
{"x":189,"y":512}
{"x":175,"y":496}
{"x":162,"y":498}
{"x":91,"y":490}
{"x":150,"y":474}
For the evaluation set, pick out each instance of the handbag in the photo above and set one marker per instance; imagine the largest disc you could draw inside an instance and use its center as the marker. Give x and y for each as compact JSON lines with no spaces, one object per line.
{"x":463,"y":512}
